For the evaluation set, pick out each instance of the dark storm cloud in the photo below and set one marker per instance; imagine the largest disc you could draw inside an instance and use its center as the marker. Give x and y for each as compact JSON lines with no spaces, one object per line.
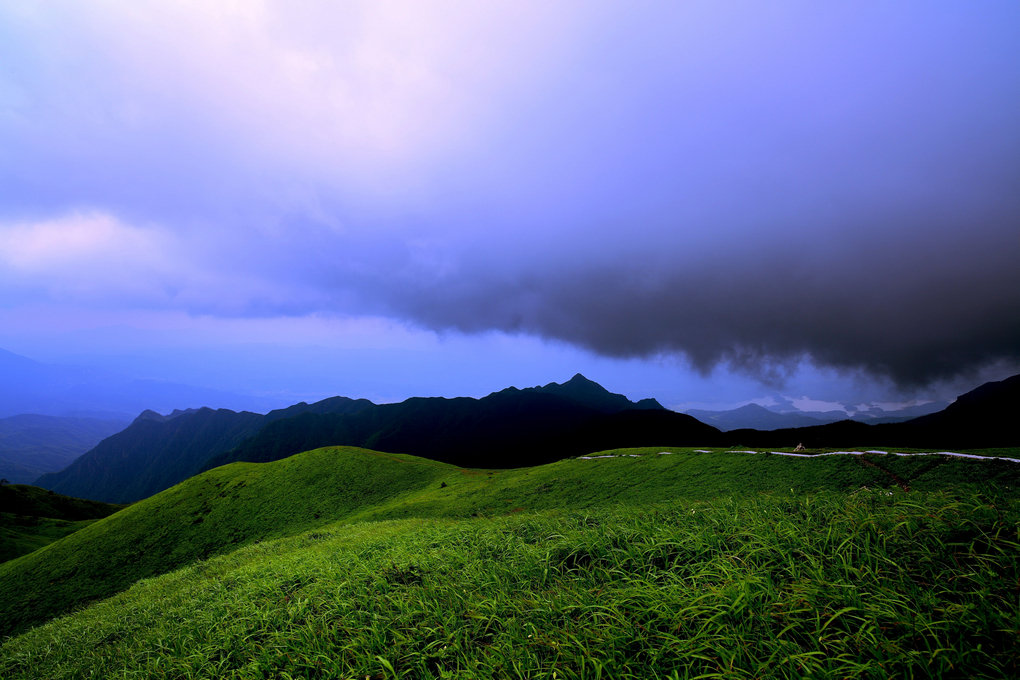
{"x":912,"y":311}
{"x":857,"y":203}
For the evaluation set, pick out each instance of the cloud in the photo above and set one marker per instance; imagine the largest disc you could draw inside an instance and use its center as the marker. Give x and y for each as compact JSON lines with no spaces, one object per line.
{"x":190,"y":108}
{"x":86,"y":256}
{"x":746,"y":187}
{"x":98,"y":260}
{"x":72,"y":240}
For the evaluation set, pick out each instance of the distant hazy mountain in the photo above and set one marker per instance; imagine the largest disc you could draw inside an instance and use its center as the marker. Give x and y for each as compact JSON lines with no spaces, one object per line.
{"x":877,"y":415}
{"x":756,"y":417}
{"x":155,"y":451}
{"x":753,"y":416}
{"x":31,"y":445}
{"x":49,"y":389}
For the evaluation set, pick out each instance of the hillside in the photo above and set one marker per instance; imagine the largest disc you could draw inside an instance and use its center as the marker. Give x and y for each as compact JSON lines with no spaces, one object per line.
{"x":225,"y":508}
{"x":31,"y":518}
{"x":717,"y":564}
{"x":987,"y":415}
{"x":32,"y":445}
{"x":155,"y":452}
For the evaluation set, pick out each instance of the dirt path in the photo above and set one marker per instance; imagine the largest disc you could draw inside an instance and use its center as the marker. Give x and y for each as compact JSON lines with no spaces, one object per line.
{"x":892,"y":475}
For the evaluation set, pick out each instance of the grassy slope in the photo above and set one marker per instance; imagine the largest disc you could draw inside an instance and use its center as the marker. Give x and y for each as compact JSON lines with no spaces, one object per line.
{"x":202,"y":516}
{"x":21,"y":535}
{"x":31,"y":518}
{"x":861,"y":584}
{"x":22,"y":499}
{"x":231,"y":506}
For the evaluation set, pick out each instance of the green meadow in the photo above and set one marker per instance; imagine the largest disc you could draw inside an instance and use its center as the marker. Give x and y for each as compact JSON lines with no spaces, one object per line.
{"x":349,"y":563}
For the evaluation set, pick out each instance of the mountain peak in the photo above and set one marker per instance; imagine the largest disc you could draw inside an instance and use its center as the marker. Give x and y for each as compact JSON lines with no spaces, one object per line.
{"x":579,"y":384}
{"x":149,"y":414}
{"x":593,"y":395}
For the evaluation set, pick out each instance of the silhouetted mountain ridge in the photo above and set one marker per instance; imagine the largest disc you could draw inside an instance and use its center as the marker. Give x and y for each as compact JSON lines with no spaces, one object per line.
{"x":509,"y":428}
{"x":592,"y":395}
{"x":985,"y":417}
{"x":155,"y":451}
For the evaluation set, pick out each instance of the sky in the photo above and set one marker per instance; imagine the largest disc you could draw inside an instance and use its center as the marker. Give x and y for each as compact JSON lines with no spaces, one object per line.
{"x":706,"y":203}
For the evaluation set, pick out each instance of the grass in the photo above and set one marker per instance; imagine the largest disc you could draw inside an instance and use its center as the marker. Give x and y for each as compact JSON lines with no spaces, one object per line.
{"x":344,"y":562}
{"x":206,"y":515}
{"x":833,"y":584}
{"x":235,"y":505}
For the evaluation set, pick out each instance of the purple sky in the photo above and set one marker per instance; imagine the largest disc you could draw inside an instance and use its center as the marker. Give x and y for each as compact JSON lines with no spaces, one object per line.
{"x":701,"y":202}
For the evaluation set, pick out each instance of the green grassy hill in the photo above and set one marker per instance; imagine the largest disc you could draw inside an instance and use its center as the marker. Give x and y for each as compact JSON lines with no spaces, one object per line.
{"x":234,"y":505}
{"x":202,"y":516}
{"x":31,"y":518}
{"x":345,"y":562}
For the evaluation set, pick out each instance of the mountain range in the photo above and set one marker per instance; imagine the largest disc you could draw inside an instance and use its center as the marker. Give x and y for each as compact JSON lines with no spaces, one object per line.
{"x":754,"y":416}
{"x":985,"y":417}
{"x":510,"y":428}
{"x":155,"y":452}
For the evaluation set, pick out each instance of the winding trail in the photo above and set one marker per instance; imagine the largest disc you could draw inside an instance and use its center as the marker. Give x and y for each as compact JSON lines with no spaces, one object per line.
{"x":899,"y":481}
{"x":890,"y":453}
{"x":839,"y":453}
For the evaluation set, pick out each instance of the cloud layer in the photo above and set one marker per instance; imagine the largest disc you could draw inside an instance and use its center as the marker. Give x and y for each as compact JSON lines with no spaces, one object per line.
{"x":753,"y":186}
